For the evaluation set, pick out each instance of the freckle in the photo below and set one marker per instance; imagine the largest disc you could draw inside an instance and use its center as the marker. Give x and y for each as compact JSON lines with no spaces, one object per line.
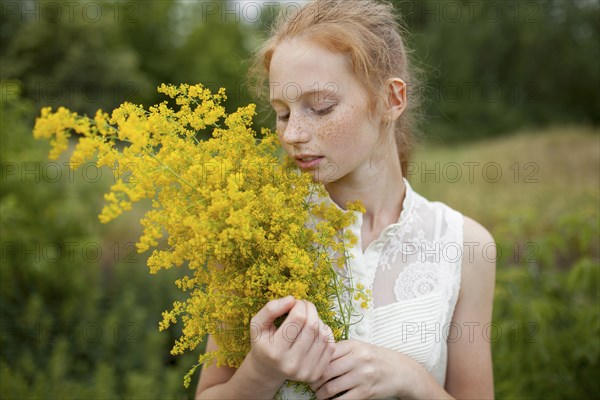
{"x":335,"y":131}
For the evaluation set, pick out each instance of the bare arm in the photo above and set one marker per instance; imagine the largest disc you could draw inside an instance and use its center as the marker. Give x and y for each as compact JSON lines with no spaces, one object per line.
{"x":212,"y":375}
{"x":470,"y":372}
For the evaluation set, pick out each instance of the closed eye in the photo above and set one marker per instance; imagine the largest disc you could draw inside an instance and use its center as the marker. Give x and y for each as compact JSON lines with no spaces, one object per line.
{"x":324,"y":111}
{"x":320,"y":112}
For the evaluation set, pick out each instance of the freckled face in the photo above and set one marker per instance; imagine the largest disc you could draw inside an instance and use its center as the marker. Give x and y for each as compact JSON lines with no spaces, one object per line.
{"x":322,"y":114}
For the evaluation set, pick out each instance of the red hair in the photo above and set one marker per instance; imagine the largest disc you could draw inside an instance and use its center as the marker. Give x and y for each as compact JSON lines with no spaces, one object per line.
{"x":369,"y":33}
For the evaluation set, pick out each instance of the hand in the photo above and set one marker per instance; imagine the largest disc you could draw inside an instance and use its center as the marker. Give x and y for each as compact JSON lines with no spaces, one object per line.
{"x":364,"y":371}
{"x":300,"y":349}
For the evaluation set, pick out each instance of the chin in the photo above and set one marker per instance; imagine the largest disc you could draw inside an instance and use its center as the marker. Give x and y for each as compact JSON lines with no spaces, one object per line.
{"x":324,"y":178}
{"x":326,"y":173}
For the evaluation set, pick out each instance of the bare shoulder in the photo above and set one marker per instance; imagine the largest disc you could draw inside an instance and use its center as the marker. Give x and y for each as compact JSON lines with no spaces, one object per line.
{"x":479,"y":261}
{"x":475,"y":232}
{"x":478,"y":267}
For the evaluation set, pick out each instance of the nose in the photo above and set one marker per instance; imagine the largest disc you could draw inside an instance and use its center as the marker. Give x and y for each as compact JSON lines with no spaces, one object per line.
{"x":295,"y":131}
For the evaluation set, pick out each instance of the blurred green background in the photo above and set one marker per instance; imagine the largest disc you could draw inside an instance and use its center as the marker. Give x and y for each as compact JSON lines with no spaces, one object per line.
{"x":510,"y":137}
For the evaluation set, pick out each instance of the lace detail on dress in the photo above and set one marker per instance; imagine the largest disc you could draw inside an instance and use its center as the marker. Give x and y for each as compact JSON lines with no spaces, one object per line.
{"x":419,"y":279}
{"x":399,"y":231}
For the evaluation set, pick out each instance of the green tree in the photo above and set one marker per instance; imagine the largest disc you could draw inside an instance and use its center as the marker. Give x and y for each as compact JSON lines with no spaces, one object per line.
{"x":492,"y":67}
{"x":67,"y":58}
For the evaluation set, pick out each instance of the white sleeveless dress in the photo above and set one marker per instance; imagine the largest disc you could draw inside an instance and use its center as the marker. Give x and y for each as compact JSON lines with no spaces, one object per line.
{"x":414,"y":271}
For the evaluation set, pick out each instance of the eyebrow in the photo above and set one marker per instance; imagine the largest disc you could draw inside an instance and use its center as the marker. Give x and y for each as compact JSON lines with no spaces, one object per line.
{"x":306,"y":94}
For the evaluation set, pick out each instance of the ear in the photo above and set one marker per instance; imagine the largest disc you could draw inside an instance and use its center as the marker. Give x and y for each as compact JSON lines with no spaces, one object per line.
{"x":397,"y":97}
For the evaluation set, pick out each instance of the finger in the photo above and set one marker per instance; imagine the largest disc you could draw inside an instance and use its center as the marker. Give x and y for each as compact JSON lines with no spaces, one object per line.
{"x":328,"y":332}
{"x":335,"y":368}
{"x":342,"y":348}
{"x":338,"y":385}
{"x":311,"y":328}
{"x":315,"y":344}
{"x":323,"y":337}
{"x":267,"y":315}
{"x":309,"y":334}
{"x":312,"y":345}
{"x":315,"y":330}
{"x":321,"y":366}
{"x":291,"y":329}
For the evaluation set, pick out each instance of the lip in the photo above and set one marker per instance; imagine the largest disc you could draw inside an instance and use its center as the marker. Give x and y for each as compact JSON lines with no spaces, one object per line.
{"x":307,"y":164}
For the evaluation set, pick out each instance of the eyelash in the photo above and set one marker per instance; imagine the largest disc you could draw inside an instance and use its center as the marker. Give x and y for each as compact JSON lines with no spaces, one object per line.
{"x":322,"y":112}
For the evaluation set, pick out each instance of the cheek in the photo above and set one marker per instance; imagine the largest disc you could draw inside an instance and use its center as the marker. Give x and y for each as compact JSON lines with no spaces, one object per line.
{"x":345,"y":132}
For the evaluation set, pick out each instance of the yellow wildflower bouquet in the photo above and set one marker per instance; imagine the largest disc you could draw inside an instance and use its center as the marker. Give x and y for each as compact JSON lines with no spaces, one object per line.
{"x":247,"y":227}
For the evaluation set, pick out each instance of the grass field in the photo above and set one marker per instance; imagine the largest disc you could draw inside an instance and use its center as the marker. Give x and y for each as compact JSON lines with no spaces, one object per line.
{"x":537,"y":192}
{"x":535,"y":175}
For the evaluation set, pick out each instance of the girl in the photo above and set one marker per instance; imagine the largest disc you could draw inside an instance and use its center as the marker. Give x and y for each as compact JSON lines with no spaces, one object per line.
{"x":338,"y":77}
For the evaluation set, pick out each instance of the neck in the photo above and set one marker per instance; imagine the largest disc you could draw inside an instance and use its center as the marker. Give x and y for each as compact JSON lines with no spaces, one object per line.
{"x":380,"y":188}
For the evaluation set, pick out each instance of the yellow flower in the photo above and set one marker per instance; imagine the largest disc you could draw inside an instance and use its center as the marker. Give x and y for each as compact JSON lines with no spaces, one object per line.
{"x":228,"y":210}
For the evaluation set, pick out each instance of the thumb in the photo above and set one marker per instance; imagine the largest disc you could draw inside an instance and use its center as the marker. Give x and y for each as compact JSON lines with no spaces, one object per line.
{"x":271,"y":311}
